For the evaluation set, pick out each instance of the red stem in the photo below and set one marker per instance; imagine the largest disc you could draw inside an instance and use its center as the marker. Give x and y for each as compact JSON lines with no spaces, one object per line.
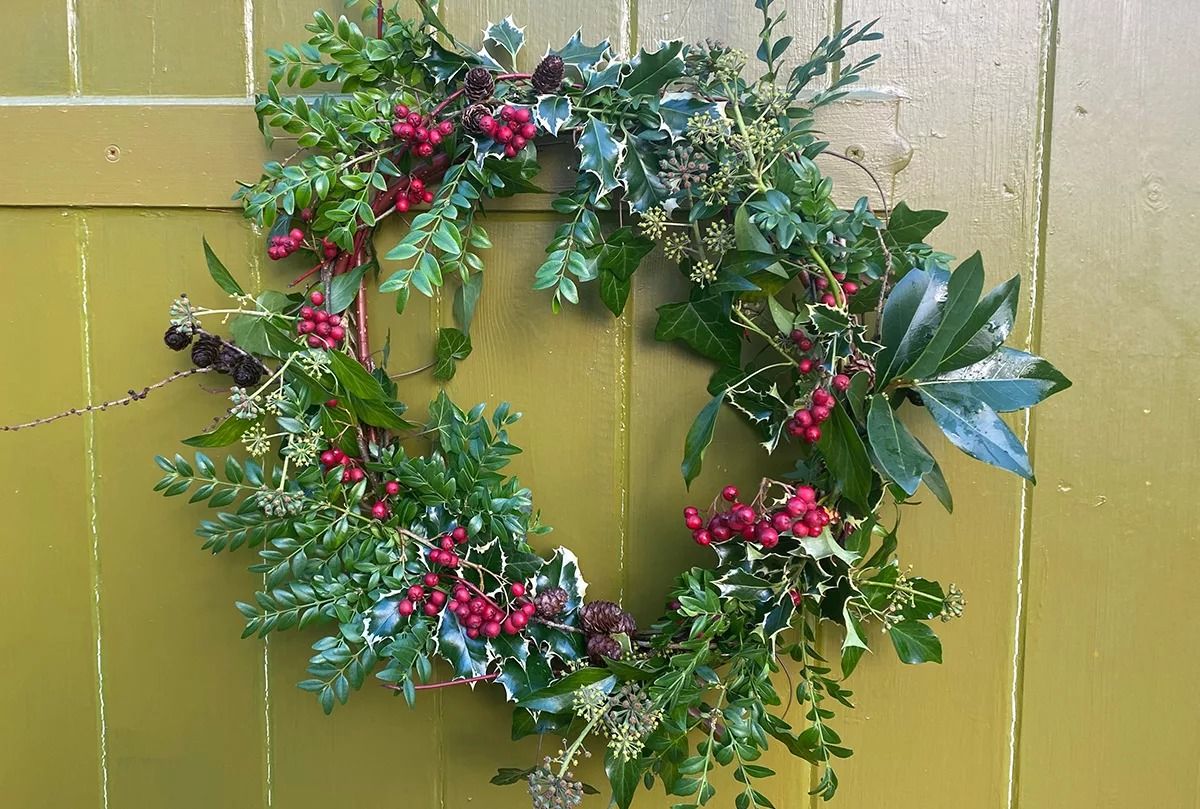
{"x":379,"y":19}
{"x":450,"y":98}
{"x":428,"y":686}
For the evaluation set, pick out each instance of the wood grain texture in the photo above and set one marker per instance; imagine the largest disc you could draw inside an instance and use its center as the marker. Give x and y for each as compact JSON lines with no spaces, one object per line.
{"x":183,"y":697}
{"x":1110,"y":702}
{"x":49,"y":699}
{"x":970,"y":76}
{"x":156,"y":47}
{"x":36,"y":45}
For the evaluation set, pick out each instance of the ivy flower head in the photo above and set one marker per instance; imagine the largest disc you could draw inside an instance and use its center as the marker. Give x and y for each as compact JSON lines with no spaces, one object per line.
{"x":549,"y":790}
{"x":314,"y":362}
{"x":244,"y":406}
{"x":683,"y":167}
{"x":654,"y":223}
{"x":727,"y":67}
{"x":762,"y":138}
{"x":676,"y":246}
{"x":703,"y":273}
{"x":718,"y":237}
{"x":772,"y":99}
{"x":719,"y":185}
{"x":303,"y":449}
{"x":707,"y":131}
{"x":256,"y":441}
{"x":181,"y":315}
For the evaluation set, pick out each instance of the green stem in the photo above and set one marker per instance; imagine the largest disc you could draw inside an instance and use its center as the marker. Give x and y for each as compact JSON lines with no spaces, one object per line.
{"x":574,"y":748}
{"x":750,"y":324}
{"x":833,"y":284}
{"x":755,"y":172}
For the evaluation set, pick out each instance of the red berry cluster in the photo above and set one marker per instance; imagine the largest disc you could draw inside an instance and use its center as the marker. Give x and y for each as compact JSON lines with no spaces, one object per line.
{"x":444,"y":553}
{"x":415,"y":192}
{"x":351,"y":471}
{"x":380,"y":509}
{"x":323,"y":329}
{"x":514,"y":129}
{"x":474,"y":610}
{"x":805,"y":422}
{"x":284,"y":246}
{"x":420,"y":131}
{"x":822,"y":284}
{"x":800,"y":516}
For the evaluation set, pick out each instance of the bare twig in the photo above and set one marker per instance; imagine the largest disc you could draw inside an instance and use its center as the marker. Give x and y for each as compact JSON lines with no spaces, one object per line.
{"x":134,"y":396}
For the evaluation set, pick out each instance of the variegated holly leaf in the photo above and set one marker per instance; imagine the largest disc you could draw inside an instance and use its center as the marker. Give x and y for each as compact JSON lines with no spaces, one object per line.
{"x":505,"y":37}
{"x":552,"y":112}
{"x":601,"y":154}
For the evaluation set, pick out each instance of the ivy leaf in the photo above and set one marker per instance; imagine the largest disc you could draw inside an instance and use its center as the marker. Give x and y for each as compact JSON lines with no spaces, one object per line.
{"x":343,"y":288}
{"x":510,"y":775}
{"x":1007,"y":380}
{"x":623,"y":251}
{"x":704,"y":325}
{"x":218,"y":272}
{"x":452,"y":347}
{"x":614,"y":291}
{"x":910,"y":319}
{"x":986,"y":329}
{"x":506,"y":36}
{"x":747,"y":235}
{"x":229,"y":431}
{"x":653,"y":70}
{"x":907,"y":226}
{"x":901,"y":458}
{"x":976,"y":429}
{"x":466,"y":298}
{"x":644,"y":189}
{"x":624,"y":776}
{"x":699,"y":437}
{"x":600,"y":154}
{"x":551,"y":112}
{"x":915,"y":642}
{"x":962,"y":293}
{"x":846,"y":456}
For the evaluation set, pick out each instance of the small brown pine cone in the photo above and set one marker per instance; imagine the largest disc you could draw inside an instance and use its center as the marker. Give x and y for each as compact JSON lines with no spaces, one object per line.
{"x":479,"y":84}
{"x":472,"y":115}
{"x":550,"y":603}
{"x":247,"y":372}
{"x":228,"y":358}
{"x":177,"y":339}
{"x":548,"y":75}
{"x":207,"y":351}
{"x":602,"y":646}
{"x":605,"y":617}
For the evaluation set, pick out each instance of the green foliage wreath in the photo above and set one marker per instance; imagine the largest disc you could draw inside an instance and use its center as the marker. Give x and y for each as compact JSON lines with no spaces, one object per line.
{"x":822,"y":325}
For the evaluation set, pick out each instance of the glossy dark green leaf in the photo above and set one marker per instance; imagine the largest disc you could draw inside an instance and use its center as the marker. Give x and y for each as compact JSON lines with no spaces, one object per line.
{"x":452,"y":347}
{"x":227,"y":433}
{"x":623,"y":251}
{"x":962,"y":293}
{"x":466,"y":656}
{"x":846,"y":456}
{"x":907,"y":226}
{"x":560,"y":696}
{"x":528,"y":723}
{"x":623,"y":776}
{"x":699,"y":437}
{"x":651,"y":71}
{"x":935,"y":481}
{"x":915,"y":642}
{"x":343,"y":288}
{"x":218,"y":272}
{"x":614,"y":291}
{"x":378,"y":413}
{"x":910,"y":319}
{"x":524,"y":678}
{"x":986,"y":329}
{"x":510,"y":775}
{"x":704,"y":325}
{"x":902,"y":458}
{"x":976,"y":429}
{"x":600,"y":154}
{"x":1005,"y":380}
{"x":353,"y":377}
{"x":644,"y":188}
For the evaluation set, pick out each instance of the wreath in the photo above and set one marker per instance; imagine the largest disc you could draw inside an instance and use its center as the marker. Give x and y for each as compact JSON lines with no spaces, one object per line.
{"x":406,"y":537}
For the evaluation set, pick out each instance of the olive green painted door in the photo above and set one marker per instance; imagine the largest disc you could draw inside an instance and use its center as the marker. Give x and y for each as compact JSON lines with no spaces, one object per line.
{"x":1058,"y":132}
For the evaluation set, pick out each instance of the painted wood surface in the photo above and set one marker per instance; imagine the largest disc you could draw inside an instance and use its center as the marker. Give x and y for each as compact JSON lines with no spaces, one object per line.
{"x":1060,"y":134}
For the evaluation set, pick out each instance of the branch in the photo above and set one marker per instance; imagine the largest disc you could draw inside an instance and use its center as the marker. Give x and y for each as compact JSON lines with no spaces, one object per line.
{"x":445,"y":684}
{"x":134,"y":396}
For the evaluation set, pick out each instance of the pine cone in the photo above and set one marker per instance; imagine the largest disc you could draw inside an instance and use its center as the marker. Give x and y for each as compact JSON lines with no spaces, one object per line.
{"x":206,"y":351}
{"x":479,"y":84}
{"x":472,"y":115}
{"x":548,"y":75}
{"x":606,"y":618}
{"x":247,"y":372}
{"x":550,"y":603}
{"x":177,"y":339}
{"x":228,"y":358}
{"x":602,"y":646}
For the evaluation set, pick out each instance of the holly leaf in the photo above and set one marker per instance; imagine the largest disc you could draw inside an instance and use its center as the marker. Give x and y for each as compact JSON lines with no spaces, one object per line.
{"x":452,"y":347}
{"x":976,"y":429}
{"x":704,"y":325}
{"x":651,"y":71}
{"x":506,"y":36}
{"x":551,"y":112}
{"x":644,"y":189}
{"x":846,"y":456}
{"x":901,"y":458}
{"x":915,"y":642}
{"x":218,"y":272}
{"x":467,"y":656}
{"x":581,"y":57}
{"x":1007,"y":380}
{"x":907,"y":226}
{"x":600,"y":154}
{"x":699,"y":437}
{"x":521,"y":680}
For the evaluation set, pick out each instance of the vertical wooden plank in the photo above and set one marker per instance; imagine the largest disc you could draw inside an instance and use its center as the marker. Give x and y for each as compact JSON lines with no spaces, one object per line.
{"x":971,"y":76}
{"x":561,"y":372}
{"x":49,"y":698}
{"x":1110,"y":702}
{"x":303,"y":740}
{"x":36,"y":42}
{"x":183,"y":696}
{"x":151,"y":47}
{"x":668,"y":387}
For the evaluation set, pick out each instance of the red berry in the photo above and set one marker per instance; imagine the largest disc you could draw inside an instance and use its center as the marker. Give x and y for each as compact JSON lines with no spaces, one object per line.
{"x":509,"y":627}
{"x":306,"y":312}
{"x":337,"y":333}
{"x":822,"y":283}
{"x":314,"y":341}
{"x":357,"y":474}
{"x":306,"y":214}
{"x":379,"y":511}
{"x":828,"y":299}
{"x":437,"y":597}
{"x":821,"y":396}
{"x":720,"y":532}
{"x":768,"y":537}
{"x":416,"y":593}
{"x":519,"y":619}
{"x":690,"y":510}
{"x":402,"y":204}
{"x":427,"y":196}
{"x":507,"y":112}
{"x":820,"y":413}
{"x":446,"y":127}
{"x":529,"y":609}
{"x":805,"y":345}
{"x":424,"y":149}
{"x":693,"y":522}
{"x":431,"y":609}
{"x":462,"y":594}
{"x":447,"y":543}
{"x":339,"y":455}
{"x":518,"y":142}
{"x":404,"y":131}
{"x":812,"y":434}
{"x":745,"y":514}
{"x":503,"y":134}
{"x":510,"y":151}
{"x":305,"y":327}
{"x":729,"y":493}
{"x":487,"y":123}
{"x":400,"y":110}
{"x":781,"y":521}
{"x":317,"y":297}
{"x":517,"y":589}
{"x":805,"y":366}
{"x":804,"y":418}
{"x":459,"y":534}
{"x":323,"y":329}
{"x":472,"y":633}
{"x":850,"y":287}
{"x":795,"y":506}
{"x":528,"y":131}
{"x":392,"y":487}
{"x":800,"y":529}
{"x":749,"y":532}
{"x":841,"y":382}
{"x":321,"y":316}
{"x":414,"y":118}
{"x":491,"y":629}
{"x":328,"y":458}
{"x":796,"y":336}
{"x":813,"y":520}
{"x":522,"y":115}
{"x":702,"y":537}
{"x":331,"y":402}
{"x":405,"y":607}
{"x":297,"y":235}
{"x":431,"y":580}
{"x":421,"y":134}
{"x":435,"y":136}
